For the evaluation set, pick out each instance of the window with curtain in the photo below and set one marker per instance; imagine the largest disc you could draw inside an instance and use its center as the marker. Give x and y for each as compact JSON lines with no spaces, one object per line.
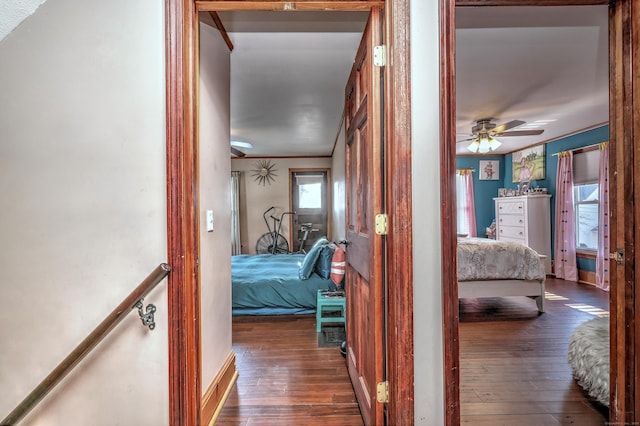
{"x":585,"y":195}
{"x":466,"y":211}
{"x":586,"y":210}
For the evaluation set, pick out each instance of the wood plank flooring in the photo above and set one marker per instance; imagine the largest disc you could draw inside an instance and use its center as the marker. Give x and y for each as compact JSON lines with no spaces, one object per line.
{"x":285,"y":378}
{"x":514,"y":369}
{"x":513,"y":361}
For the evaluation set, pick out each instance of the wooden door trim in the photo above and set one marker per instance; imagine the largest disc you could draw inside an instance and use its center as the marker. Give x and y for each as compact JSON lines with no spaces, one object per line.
{"x":299,"y":5}
{"x":181,"y":133}
{"x":399,"y":249}
{"x":450,"y":343}
{"x":475,"y":3}
{"x":182,"y":218}
{"x":624,"y":98}
{"x":624,"y":192}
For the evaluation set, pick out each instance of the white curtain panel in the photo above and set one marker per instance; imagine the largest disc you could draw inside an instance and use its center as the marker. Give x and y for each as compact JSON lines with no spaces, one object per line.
{"x":565,"y":233}
{"x":236,"y":247}
{"x":466,"y":211}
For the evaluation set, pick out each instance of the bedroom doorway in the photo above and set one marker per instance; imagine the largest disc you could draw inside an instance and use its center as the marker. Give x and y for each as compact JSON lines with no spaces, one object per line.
{"x":480,"y":315}
{"x":623,"y":66}
{"x":310,"y":197}
{"x":399,"y":408}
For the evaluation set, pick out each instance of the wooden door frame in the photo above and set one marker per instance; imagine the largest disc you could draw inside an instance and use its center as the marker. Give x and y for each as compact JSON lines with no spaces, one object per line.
{"x":181,"y":43}
{"x":624,"y":99}
{"x":185,"y":388}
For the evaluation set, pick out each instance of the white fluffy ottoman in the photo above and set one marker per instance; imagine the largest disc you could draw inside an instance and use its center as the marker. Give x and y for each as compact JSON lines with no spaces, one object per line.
{"x":589,"y":358}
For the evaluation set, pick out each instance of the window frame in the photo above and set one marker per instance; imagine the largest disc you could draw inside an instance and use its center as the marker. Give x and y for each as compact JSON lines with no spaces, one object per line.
{"x":576,"y":221}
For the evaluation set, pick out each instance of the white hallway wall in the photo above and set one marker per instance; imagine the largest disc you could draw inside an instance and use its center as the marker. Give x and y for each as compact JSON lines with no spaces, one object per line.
{"x":215,"y":177}
{"x":427,"y":276}
{"x":338,"y":176}
{"x":82,"y":178}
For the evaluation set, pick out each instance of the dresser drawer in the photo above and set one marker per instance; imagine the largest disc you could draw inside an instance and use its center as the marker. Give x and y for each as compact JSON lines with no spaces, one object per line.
{"x":511,"y":220}
{"x":512,"y":232}
{"x":513,"y":207}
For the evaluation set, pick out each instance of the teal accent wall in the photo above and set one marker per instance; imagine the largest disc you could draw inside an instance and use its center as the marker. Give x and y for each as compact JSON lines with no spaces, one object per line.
{"x":590,"y":137}
{"x":486,"y":190}
{"x":586,"y":264}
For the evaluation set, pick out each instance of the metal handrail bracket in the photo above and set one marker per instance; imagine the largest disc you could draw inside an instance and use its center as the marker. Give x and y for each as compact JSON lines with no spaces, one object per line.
{"x":90,"y":342}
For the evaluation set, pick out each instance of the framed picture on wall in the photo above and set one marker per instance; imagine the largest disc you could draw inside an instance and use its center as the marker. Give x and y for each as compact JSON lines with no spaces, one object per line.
{"x":528,"y":164}
{"x":489,"y":170}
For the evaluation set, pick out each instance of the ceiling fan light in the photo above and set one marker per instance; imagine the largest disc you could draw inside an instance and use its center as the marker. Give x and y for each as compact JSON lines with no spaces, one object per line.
{"x":494,"y":144}
{"x":473,"y":147}
{"x":484,"y":145}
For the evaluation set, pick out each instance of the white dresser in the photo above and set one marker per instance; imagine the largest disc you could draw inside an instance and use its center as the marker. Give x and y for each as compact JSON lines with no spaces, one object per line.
{"x":526,"y":220}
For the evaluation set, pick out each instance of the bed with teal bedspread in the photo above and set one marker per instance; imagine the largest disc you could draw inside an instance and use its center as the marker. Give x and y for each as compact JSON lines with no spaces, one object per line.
{"x":267,"y":284}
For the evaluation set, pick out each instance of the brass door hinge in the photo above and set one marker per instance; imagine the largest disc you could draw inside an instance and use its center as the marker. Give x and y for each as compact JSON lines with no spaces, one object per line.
{"x":380,"y":55}
{"x":382,"y":226}
{"x":618,"y":256}
{"x":383,"y":392}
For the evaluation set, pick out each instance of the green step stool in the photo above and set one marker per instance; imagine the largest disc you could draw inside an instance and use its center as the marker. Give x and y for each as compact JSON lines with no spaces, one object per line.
{"x":330,"y":304}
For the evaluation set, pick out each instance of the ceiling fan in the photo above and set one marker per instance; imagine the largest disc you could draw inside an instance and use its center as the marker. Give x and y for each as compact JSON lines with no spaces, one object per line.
{"x":484,"y":134}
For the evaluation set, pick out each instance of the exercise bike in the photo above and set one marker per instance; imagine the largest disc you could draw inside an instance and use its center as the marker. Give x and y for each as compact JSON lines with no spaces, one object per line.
{"x":272,"y":242}
{"x":306,"y":229}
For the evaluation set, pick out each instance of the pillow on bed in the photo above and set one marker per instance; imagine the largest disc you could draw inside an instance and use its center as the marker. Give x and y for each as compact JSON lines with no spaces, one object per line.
{"x":309,"y":262}
{"x":338,"y":266}
{"x":323,"y":264}
{"x":322,"y":241}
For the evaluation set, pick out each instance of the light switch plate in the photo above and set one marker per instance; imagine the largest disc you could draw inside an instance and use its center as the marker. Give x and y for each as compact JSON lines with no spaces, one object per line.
{"x":209,"y":220}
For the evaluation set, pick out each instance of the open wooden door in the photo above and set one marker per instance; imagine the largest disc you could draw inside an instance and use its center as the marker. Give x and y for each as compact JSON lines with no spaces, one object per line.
{"x":364,"y":178}
{"x":624,"y":199}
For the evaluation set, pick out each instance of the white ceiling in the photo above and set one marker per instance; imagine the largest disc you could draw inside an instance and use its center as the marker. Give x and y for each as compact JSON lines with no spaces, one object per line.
{"x":289,"y":70}
{"x":288,"y":75}
{"x":13,"y":12}
{"x":532,"y":63}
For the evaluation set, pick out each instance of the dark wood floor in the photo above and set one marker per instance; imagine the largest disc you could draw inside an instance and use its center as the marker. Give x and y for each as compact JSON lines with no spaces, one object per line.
{"x":513,"y":361}
{"x":514,"y":369}
{"x":285,"y":378}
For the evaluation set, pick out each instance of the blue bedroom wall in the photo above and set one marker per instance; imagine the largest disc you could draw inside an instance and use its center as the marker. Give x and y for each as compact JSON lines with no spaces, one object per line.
{"x":590,"y":137}
{"x":486,"y":190}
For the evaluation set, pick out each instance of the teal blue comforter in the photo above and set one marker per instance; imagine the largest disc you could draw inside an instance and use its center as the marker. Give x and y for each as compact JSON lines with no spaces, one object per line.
{"x":268,"y":284}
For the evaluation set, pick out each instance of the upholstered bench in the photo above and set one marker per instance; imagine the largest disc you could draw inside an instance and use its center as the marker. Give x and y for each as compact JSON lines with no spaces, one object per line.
{"x":589,"y":358}
{"x":330,"y":302}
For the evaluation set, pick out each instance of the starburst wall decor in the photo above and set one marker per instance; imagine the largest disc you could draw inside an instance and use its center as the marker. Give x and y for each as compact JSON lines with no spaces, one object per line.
{"x":263,"y":172}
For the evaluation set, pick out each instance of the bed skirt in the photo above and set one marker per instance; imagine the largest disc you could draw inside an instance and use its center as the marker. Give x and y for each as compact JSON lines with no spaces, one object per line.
{"x":501,"y":288}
